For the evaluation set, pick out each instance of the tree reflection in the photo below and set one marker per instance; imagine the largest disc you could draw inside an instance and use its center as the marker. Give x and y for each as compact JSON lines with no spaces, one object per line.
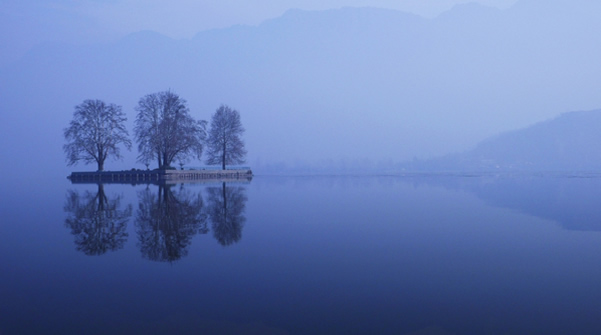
{"x":96,"y":221}
{"x":226,"y":211}
{"x":166,"y":222}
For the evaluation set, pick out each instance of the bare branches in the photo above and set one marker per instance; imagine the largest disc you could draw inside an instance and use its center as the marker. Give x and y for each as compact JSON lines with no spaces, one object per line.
{"x":224,"y":143}
{"x":166,"y":131}
{"x":96,"y":132}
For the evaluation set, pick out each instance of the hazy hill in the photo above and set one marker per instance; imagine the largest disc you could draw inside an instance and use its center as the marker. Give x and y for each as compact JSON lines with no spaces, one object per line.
{"x":569,"y":142}
{"x":328,"y":87}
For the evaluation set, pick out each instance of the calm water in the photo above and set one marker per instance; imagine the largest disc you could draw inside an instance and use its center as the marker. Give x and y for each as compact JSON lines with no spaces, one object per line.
{"x":304,"y":255}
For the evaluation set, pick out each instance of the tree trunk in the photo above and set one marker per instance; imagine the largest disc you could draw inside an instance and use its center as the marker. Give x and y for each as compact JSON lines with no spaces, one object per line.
{"x":100,"y":165}
{"x":223,"y":157}
{"x":166,"y":162}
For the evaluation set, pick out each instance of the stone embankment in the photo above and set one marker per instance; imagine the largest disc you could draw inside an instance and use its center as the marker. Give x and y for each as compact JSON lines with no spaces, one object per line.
{"x":160,"y":176}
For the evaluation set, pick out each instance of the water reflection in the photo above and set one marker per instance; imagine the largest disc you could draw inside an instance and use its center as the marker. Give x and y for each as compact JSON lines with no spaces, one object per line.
{"x":167,"y":220}
{"x":97,"y":222}
{"x":436,"y":257}
{"x":572,"y":200}
{"x":226,"y":211}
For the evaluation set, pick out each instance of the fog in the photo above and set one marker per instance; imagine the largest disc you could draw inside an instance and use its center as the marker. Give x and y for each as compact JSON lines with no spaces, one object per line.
{"x":324,"y":89}
{"x":25,"y":24}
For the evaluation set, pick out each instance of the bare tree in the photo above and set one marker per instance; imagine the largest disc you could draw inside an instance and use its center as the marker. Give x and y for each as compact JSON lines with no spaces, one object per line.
{"x":96,"y":131}
{"x":224,"y":143}
{"x":165,"y":131}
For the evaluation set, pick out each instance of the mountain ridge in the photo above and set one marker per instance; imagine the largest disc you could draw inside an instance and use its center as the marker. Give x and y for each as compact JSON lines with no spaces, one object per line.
{"x":569,"y":142}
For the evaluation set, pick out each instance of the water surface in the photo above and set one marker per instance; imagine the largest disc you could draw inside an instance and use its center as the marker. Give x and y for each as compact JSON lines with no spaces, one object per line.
{"x":304,"y":255}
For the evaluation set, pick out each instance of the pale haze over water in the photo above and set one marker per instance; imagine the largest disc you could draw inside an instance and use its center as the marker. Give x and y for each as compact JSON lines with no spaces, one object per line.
{"x":420,"y":167}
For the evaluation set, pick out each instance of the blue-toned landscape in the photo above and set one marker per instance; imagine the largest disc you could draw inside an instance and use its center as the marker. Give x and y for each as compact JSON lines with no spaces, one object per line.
{"x":416,"y":254}
{"x":300,"y":167}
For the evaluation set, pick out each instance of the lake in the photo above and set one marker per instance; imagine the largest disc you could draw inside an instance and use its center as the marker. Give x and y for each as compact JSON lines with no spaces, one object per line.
{"x":415,"y":254}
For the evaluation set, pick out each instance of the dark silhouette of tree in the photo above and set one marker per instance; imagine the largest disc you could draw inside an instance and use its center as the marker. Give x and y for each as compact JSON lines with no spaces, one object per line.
{"x":226,"y":211}
{"x":224,"y":143}
{"x":96,"y":131}
{"x":165,"y":131}
{"x":166,"y":222}
{"x":97,"y":222}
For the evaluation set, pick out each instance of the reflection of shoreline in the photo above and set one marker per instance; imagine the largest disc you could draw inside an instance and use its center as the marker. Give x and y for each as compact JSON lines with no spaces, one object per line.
{"x":573,"y":201}
{"x":168,"y":182}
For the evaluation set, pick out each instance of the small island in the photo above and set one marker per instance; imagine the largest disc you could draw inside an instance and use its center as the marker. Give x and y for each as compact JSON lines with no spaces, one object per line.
{"x":162,"y":176}
{"x":165,"y":132}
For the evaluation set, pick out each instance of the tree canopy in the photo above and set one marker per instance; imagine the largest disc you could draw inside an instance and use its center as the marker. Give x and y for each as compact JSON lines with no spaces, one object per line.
{"x":166,"y":131}
{"x":225,"y":145}
{"x":96,"y":132}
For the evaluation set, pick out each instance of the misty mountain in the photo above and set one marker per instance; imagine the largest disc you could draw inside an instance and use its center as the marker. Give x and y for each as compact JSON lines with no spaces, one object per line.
{"x":569,"y":142}
{"x":319,"y":87}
